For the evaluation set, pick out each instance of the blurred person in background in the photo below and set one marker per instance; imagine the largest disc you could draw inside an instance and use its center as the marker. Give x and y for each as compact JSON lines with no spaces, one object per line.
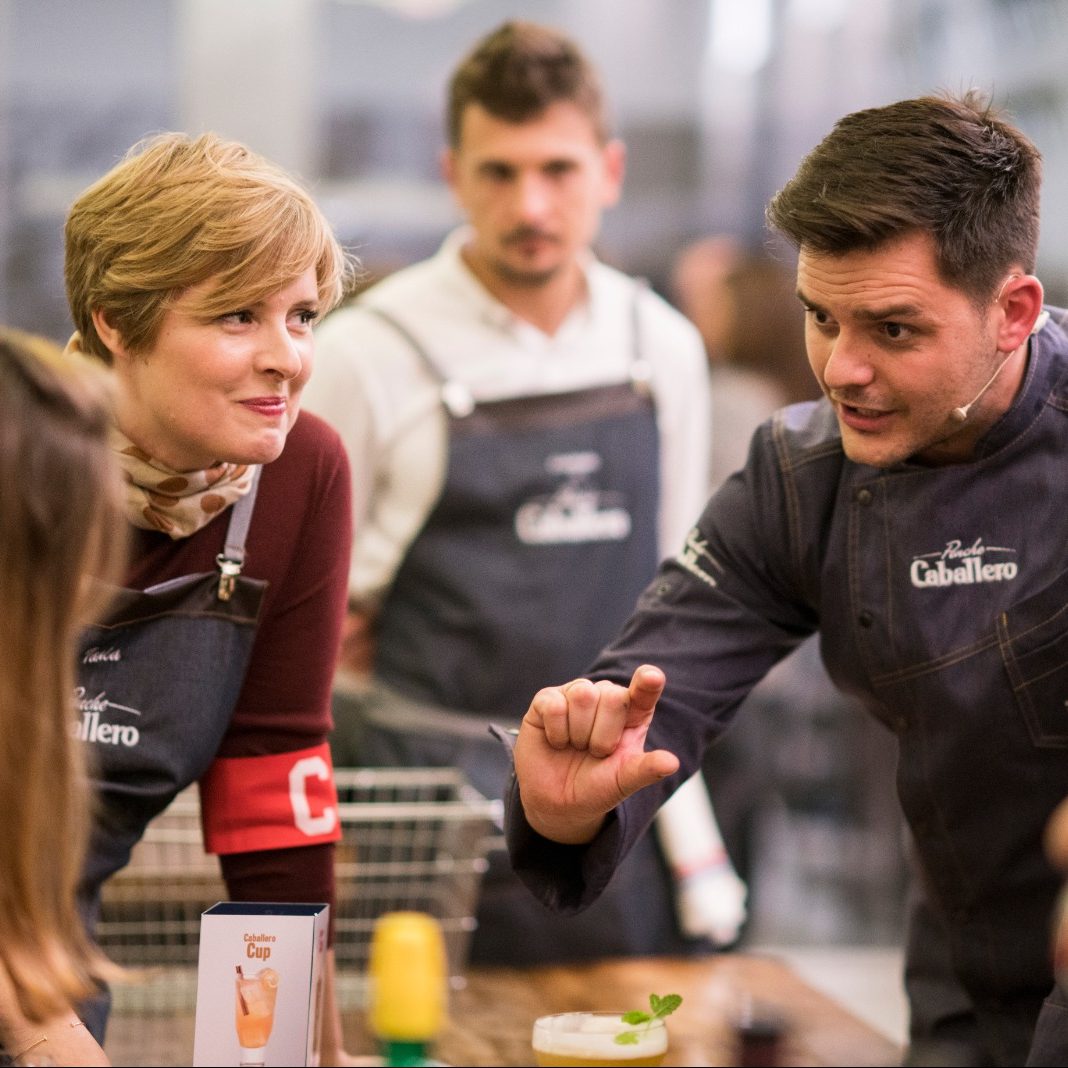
{"x":911,"y":517}
{"x":522,"y":422}
{"x":195,"y":272}
{"x":60,"y":525}
{"x":742,"y":302}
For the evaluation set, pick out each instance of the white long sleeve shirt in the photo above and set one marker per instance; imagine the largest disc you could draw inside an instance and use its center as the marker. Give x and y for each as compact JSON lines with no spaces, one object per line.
{"x":377,"y":392}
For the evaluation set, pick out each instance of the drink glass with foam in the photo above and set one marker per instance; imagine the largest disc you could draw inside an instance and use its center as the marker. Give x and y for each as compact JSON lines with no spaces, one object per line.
{"x":589,"y":1039}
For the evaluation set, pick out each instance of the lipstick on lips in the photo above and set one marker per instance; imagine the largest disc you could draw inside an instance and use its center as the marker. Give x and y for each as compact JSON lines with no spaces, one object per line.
{"x":272,"y":407}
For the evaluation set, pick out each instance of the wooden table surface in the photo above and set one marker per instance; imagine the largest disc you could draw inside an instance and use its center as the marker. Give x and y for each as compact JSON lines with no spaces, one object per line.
{"x":490,"y":1019}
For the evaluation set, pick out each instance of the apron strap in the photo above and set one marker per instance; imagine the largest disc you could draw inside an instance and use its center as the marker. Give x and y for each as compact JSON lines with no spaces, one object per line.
{"x":455,"y":395}
{"x":232,"y":559}
{"x":457,"y":398}
{"x":641,"y":371}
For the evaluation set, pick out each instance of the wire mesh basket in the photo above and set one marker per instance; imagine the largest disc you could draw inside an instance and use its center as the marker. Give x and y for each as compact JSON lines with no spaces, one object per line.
{"x":414,"y":838}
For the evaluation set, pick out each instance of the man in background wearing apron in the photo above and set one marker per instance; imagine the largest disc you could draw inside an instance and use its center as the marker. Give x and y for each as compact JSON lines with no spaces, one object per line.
{"x":522,"y":422}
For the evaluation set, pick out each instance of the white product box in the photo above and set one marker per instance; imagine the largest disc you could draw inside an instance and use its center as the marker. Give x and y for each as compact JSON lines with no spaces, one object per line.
{"x":259,"y":984}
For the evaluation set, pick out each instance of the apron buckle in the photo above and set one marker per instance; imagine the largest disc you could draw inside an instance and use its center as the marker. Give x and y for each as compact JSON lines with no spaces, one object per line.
{"x":229,"y":570}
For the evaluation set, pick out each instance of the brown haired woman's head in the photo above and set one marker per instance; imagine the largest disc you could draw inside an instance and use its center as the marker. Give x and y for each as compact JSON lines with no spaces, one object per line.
{"x":61,"y":524}
{"x":179,"y":211}
{"x":60,"y":488}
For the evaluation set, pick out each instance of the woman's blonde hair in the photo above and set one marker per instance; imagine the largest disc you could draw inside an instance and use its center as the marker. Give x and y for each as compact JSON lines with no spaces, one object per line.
{"x":61,"y":521}
{"x":178,"y":211}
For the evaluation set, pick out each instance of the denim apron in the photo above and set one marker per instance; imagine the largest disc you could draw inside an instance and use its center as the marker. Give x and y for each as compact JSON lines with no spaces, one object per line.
{"x":534,"y":555}
{"x":157,"y":682}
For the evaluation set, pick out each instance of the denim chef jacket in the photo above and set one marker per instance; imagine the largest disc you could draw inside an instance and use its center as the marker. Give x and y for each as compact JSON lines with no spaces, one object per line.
{"x":941,"y":598}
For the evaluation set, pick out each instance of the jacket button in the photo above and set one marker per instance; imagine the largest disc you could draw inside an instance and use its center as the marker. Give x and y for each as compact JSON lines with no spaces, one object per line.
{"x":864,"y":496}
{"x":865,"y":618}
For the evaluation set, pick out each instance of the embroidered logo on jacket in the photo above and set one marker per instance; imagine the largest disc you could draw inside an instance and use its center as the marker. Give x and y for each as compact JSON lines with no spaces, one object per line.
{"x":696,"y":558}
{"x":962,"y":565}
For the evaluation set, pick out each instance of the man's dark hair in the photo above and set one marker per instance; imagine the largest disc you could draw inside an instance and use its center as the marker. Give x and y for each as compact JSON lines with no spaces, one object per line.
{"x":949,"y":167}
{"x":517,"y":71}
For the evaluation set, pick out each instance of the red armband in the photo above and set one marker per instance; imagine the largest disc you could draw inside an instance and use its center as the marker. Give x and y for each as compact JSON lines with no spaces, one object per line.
{"x":270,"y":802}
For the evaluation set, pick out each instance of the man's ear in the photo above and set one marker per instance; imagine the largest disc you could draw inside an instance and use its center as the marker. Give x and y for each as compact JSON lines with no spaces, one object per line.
{"x":108,"y":333}
{"x":1020,"y":300}
{"x":447,"y":166}
{"x":614,"y":157}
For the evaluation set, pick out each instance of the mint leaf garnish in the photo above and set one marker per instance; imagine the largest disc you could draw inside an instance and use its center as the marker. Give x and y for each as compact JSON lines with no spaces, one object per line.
{"x":664,"y":1006}
{"x":661,"y":1007}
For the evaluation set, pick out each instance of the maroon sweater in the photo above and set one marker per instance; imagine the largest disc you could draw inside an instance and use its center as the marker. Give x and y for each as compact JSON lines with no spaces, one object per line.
{"x":299,"y":541}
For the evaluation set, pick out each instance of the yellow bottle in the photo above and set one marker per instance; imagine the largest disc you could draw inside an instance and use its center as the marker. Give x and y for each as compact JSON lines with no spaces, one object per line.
{"x":407,"y":985}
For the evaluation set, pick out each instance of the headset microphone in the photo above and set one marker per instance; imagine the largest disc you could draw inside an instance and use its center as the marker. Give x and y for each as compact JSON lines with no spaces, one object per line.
{"x":959,"y":415}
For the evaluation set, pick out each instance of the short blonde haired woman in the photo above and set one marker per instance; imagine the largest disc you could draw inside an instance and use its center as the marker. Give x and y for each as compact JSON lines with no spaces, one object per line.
{"x":60,"y":521}
{"x":195,"y":271}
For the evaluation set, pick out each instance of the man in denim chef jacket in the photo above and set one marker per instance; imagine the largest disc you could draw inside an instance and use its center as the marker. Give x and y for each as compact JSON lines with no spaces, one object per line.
{"x":914,"y":517}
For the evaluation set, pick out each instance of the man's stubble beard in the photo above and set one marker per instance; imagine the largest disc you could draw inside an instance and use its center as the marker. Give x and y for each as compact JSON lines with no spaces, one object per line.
{"x":521,"y":279}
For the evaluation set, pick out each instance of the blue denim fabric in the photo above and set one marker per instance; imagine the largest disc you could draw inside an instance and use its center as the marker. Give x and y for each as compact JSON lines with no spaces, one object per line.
{"x":157,"y":684}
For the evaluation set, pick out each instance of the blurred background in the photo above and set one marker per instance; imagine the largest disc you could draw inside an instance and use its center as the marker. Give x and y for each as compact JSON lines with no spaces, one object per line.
{"x":717,"y":101}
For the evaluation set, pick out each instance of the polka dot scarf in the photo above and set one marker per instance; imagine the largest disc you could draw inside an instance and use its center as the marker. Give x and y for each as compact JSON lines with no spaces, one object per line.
{"x":178,"y":503}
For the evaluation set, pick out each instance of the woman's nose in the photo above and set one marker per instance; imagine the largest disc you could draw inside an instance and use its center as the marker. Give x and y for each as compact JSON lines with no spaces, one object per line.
{"x":281,"y":355}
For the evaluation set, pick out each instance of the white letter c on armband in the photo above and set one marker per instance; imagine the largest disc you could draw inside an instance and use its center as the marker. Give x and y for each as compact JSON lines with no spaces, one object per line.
{"x":302,"y":770}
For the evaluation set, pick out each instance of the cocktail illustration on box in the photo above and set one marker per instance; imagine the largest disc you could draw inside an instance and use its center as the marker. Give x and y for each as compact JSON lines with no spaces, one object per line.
{"x":254,"y":1013}
{"x":250,"y":952}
